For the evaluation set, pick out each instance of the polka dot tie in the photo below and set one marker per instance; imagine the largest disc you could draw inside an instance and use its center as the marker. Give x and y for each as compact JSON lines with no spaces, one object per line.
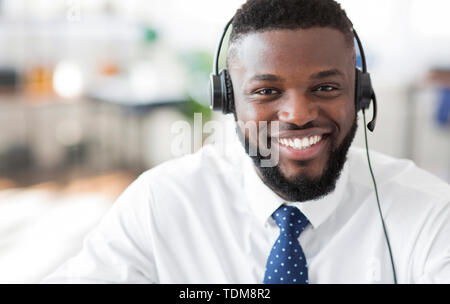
{"x":287,"y":263}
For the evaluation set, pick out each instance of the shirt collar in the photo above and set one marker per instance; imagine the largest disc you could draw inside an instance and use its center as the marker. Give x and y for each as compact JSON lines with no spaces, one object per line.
{"x":263,"y":201}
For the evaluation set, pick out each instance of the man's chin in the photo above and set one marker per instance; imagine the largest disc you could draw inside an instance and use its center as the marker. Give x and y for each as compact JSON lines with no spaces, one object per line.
{"x":301,"y":185}
{"x":301,"y":177}
{"x":300,"y":170}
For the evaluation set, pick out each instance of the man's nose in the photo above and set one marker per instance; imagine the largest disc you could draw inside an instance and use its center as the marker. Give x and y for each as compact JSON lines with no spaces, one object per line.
{"x":298,"y":109}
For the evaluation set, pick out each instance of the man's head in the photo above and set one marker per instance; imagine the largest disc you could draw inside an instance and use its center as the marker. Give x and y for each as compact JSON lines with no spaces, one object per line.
{"x":293,"y":62}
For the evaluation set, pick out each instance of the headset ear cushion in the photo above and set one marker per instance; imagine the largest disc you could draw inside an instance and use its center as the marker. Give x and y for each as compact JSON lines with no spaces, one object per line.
{"x":227,"y":91}
{"x":363,"y":90}
{"x":215,"y":92}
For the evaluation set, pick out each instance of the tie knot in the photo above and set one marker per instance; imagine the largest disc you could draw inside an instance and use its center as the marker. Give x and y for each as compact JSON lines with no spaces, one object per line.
{"x":290,"y":220}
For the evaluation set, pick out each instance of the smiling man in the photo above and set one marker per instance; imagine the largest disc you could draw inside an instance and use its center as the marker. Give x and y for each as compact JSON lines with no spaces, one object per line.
{"x":312,"y":216}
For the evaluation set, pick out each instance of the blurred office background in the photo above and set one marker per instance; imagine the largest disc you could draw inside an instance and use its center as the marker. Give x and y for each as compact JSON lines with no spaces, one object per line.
{"x":90,"y":89}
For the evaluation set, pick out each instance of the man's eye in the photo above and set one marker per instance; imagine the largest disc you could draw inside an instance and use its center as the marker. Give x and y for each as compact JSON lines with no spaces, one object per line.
{"x":266,"y":92}
{"x":325,"y":89}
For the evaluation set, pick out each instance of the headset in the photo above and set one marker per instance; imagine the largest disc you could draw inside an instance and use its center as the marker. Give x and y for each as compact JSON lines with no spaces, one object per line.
{"x":222,"y":99}
{"x":221,"y":88}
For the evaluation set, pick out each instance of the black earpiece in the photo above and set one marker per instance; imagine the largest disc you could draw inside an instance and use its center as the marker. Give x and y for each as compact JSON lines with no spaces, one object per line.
{"x":221,"y":92}
{"x":364,"y":92}
{"x":221,"y":87}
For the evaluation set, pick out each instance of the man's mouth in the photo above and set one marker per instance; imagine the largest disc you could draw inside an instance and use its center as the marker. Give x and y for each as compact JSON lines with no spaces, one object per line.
{"x":300,"y":143}
{"x":303,"y":147}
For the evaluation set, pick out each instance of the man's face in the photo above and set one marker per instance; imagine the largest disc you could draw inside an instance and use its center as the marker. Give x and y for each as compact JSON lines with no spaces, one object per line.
{"x":304,"y":80}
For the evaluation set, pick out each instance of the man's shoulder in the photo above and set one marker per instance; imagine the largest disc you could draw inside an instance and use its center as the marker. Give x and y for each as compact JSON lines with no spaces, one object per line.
{"x":399,"y":175}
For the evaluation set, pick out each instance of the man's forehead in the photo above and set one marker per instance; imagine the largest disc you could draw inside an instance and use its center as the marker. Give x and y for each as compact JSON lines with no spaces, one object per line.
{"x":323,"y":45}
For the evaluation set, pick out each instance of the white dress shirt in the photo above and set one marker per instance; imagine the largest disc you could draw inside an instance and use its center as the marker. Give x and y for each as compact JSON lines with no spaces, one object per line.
{"x":206,"y":218}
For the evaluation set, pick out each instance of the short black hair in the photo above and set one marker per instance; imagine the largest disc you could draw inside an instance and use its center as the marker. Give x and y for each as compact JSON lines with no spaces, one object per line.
{"x":263,"y":15}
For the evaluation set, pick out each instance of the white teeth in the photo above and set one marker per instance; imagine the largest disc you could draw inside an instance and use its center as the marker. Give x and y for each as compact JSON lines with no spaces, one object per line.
{"x":305,"y":143}
{"x":300,"y":144}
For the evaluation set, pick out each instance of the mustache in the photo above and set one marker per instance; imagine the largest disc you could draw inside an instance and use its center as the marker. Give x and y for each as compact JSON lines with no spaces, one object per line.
{"x":294,"y":127}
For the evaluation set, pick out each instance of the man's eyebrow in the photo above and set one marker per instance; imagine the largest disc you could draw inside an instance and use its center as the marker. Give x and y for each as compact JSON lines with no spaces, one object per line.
{"x":327,"y":73}
{"x":267,"y":77}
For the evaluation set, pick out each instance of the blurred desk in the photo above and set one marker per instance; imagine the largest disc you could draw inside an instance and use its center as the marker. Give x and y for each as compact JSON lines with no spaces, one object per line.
{"x":40,"y":229}
{"x":132,"y":115}
{"x":44,"y":225}
{"x":38,"y":141}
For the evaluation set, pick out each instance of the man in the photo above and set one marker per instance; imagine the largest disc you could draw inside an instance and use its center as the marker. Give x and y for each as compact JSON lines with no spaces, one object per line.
{"x":311,"y":217}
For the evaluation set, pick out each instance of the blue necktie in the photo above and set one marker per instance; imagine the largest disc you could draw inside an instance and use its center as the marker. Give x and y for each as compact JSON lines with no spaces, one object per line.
{"x":287,"y":263}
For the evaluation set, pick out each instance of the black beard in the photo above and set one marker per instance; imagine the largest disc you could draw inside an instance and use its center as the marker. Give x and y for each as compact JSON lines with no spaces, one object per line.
{"x":303,"y":188}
